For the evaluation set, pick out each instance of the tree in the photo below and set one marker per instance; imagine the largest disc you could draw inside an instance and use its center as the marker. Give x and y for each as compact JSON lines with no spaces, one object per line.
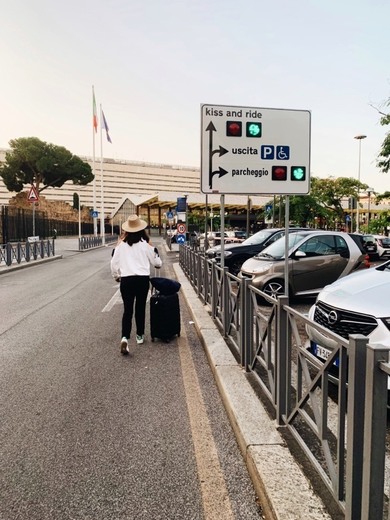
{"x":324,"y":201}
{"x":43,"y":165}
{"x":384,"y":155}
{"x":382,"y":196}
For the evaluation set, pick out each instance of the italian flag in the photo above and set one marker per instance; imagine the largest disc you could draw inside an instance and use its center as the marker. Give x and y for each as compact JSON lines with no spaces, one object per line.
{"x":94,"y":117}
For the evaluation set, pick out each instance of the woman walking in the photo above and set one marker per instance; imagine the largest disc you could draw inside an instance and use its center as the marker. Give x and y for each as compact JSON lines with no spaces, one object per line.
{"x":130,"y":265}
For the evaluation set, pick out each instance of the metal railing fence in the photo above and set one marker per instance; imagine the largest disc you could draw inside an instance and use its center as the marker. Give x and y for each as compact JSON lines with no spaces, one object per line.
{"x":17,"y":252}
{"x":341,"y":433}
{"x":90,"y":242}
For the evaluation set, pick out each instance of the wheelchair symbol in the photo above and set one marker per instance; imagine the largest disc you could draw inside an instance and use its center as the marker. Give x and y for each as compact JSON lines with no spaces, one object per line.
{"x":283,"y":153}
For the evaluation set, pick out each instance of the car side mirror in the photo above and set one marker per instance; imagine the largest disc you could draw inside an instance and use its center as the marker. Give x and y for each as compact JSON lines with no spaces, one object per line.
{"x":299,"y":254}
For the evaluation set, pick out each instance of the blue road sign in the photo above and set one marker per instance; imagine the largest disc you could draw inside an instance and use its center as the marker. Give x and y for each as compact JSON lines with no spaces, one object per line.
{"x":169,"y":214}
{"x":348,"y":218}
{"x":267,"y":151}
{"x":94,"y":214}
{"x":180,"y":239}
{"x":283,"y":153}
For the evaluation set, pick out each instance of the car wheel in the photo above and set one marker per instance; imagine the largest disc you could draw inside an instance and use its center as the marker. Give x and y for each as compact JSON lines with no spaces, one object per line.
{"x":235,"y":266}
{"x":274,"y":288}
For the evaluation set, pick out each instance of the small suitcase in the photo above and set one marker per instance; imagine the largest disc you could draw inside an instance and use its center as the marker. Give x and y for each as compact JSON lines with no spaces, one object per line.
{"x":164,"y":316}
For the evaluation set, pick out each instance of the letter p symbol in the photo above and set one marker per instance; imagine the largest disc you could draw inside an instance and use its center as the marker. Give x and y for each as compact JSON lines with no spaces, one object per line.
{"x":267,"y":151}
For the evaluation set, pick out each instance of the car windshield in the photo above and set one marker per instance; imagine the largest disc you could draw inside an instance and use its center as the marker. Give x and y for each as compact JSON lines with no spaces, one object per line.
{"x":259,"y":237}
{"x":384,"y":267}
{"x":276,"y":250}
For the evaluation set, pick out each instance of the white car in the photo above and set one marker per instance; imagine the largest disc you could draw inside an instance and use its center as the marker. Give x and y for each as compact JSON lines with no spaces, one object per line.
{"x":356,"y":304}
{"x":383,"y":245}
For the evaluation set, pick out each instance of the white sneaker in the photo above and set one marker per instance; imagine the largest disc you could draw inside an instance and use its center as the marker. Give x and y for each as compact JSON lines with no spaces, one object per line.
{"x":124,"y":346}
{"x":139,"y":339}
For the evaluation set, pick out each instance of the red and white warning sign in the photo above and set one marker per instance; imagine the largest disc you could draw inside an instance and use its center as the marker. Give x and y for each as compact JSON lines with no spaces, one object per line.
{"x":32,"y":195}
{"x":181,"y":228}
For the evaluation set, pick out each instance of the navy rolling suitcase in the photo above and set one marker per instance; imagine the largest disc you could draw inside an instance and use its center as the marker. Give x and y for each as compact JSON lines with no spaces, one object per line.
{"x":164,"y":316}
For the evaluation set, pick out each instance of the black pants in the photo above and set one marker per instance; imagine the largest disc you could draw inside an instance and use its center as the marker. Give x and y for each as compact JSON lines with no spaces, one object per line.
{"x":134,"y":288}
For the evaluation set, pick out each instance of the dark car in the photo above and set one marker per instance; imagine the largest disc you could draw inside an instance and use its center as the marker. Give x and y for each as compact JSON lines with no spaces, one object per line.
{"x":368,"y":243}
{"x":236,"y":254}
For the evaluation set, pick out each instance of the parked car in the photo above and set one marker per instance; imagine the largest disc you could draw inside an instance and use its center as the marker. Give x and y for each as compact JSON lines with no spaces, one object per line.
{"x":368,"y":243}
{"x":315,"y":258}
{"x":236,"y":254}
{"x":241,"y":235}
{"x":383,"y":245}
{"x":356,"y":304}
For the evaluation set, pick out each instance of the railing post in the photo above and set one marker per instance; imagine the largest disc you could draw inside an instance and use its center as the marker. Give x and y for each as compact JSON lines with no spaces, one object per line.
{"x":199,"y":277}
{"x":214,"y":291}
{"x":375,"y":423}
{"x":357,"y":352}
{"x":246,"y":323}
{"x":281,"y":359}
{"x":28,"y":252}
{"x":205,"y":279}
{"x":8,"y":249}
{"x":225,"y":301}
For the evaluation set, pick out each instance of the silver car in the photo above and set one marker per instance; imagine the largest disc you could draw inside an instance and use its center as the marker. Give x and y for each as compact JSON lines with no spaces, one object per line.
{"x":357,"y":304}
{"x":383,"y":245}
{"x":316,"y":259}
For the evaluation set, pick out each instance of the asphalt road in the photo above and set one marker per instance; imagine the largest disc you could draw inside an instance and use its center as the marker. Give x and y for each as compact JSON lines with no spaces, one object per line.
{"x":86,"y":433}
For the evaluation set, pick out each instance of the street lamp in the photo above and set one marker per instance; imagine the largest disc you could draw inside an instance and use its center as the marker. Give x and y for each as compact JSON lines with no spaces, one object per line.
{"x":359,"y":138}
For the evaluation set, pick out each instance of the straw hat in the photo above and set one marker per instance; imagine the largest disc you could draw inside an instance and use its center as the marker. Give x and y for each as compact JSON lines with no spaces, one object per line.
{"x":134,"y":224}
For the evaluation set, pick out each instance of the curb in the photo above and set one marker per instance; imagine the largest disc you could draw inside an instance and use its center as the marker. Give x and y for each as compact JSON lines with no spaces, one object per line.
{"x":31,"y":263}
{"x":283,"y":489}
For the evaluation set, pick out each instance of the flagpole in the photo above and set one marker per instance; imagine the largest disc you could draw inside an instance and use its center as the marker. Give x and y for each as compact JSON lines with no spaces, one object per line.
{"x":102,"y":233}
{"x":94,"y":129}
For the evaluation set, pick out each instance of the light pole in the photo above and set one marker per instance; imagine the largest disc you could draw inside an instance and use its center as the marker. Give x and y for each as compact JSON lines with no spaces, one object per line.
{"x":359,"y":138}
{"x":369,"y":191}
{"x":79,"y":216}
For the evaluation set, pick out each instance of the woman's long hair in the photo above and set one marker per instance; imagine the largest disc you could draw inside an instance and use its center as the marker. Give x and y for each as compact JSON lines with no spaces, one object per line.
{"x":133,"y":238}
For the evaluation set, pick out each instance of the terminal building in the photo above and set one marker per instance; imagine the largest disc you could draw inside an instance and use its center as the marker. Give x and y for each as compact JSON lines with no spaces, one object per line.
{"x":122,"y":187}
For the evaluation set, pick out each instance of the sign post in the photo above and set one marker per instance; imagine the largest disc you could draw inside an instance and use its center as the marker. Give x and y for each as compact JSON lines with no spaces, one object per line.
{"x":246,"y":150}
{"x":33,"y":197}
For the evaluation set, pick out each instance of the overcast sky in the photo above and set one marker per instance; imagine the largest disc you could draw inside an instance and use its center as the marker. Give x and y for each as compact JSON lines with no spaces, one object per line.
{"x":153,"y":62}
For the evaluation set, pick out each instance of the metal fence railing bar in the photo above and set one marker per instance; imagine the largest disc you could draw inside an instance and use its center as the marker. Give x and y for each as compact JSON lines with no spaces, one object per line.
{"x":18,"y":252}
{"x":342,"y":432}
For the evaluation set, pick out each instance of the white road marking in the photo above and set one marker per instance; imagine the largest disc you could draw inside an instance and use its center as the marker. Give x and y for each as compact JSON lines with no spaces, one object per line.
{"x":117,"y":298}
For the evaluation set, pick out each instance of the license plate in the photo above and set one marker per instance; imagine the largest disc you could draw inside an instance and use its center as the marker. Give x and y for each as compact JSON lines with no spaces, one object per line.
{"x":323,"y":353}
{"x":370,"y":248}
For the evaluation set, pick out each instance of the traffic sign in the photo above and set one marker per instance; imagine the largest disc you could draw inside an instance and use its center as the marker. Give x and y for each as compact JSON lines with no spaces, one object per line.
{"x":33,"y":195}
{"x":180,"y":239}
{"x":181,"y":228}
{"x":255,"y":150}
{"x":169,"y":214}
